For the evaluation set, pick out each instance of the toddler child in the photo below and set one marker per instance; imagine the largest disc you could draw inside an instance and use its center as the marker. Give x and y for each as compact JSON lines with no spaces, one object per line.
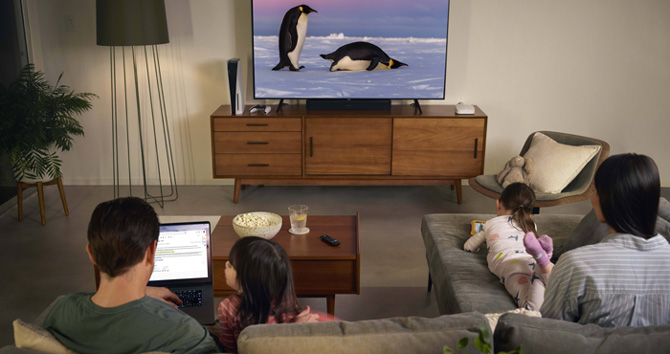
{"x":515,"y":255}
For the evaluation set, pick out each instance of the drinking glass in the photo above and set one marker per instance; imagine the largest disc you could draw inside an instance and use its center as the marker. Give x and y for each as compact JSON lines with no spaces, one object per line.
{"x":298,"y":216}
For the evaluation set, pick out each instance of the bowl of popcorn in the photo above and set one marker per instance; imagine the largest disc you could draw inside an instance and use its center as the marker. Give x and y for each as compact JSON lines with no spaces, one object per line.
{"x":257,"y":223}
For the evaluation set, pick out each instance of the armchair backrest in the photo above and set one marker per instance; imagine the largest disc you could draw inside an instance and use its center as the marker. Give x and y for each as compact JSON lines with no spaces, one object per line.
{"x":584,"y":179}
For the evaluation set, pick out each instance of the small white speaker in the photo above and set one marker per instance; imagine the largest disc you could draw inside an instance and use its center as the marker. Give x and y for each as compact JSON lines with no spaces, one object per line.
{"x":235,"y":85}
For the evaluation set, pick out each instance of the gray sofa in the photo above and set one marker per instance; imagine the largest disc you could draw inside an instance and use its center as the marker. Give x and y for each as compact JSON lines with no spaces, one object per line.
{"x":390,"y":335}
{"x":462,"y":282}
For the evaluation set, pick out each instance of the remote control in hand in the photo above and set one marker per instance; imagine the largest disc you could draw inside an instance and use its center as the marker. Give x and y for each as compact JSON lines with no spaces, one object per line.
{"x":329,"y":240}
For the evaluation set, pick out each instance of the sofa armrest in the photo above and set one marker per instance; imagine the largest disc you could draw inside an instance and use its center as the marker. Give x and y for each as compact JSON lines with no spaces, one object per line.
{"x":542,"y":335}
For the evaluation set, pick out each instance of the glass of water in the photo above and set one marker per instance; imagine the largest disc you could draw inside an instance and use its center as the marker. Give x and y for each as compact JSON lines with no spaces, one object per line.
{"x":298,"y":216}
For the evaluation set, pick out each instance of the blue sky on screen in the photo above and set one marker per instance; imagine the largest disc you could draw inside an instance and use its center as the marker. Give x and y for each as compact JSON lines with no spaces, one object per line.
{"x":372,"y":18}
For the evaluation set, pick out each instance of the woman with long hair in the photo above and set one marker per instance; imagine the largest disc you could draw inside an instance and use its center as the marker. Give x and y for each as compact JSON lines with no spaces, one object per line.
{"x":624,"y":280}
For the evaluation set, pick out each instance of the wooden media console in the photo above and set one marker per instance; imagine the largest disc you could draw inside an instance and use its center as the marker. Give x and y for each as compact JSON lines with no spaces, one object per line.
{"x":354,"y":147}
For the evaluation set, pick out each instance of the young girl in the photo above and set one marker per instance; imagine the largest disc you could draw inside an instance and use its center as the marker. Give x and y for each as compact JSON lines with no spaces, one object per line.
{"x":260,"y":272}
{"x":522,"y":274}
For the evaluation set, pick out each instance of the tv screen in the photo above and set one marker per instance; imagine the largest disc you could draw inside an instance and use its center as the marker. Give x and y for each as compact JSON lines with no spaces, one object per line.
{"x":350,"y":49}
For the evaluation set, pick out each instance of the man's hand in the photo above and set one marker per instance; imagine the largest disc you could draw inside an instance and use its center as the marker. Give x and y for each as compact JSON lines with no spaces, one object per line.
{"x":164,"y":294}
{"x":305,"y":316}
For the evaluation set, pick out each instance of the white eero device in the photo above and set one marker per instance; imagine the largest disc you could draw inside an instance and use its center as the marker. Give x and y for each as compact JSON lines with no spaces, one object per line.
{"x":235,"y":86}
{"x":462,"y":108}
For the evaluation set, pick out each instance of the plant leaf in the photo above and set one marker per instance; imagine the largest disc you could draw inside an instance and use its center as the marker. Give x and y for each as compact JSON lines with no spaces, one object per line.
{"x":462,"y":343}
{"x":447,"y":350}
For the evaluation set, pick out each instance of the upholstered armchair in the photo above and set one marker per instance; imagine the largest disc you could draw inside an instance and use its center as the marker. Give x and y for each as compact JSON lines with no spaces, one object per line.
{"x":580,"y":188}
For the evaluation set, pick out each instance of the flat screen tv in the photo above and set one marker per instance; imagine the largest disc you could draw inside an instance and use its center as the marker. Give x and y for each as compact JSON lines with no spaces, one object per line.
{"x":351,"y":49}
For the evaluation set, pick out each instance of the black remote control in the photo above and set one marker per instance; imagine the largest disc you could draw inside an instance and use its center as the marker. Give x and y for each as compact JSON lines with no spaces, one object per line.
{"x":329,"y":240}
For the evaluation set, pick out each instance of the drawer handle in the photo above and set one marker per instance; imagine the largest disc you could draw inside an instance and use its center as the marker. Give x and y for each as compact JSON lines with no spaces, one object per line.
{"x":257,"y":142}
{"x":476,"y":143}
{"x":311,"y":147}
{"x":258,"y":165}
{"x":257,"y":124}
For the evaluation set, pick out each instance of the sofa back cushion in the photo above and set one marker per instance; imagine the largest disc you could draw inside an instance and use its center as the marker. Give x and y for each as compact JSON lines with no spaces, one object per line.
{"x":538,"y":335}
{"x":391,"y":335}
{"x":30,"y":336}
{"x":590,"y":231}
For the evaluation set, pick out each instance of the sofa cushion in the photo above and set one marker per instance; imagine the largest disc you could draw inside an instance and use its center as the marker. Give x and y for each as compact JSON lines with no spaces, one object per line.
{"x":391,"y":335}
{"x":556,"y":165}
{"x":29,"y":336}
{"x":537,"y":335}
{"x":591,"y":231}
{"x":664,"y":209}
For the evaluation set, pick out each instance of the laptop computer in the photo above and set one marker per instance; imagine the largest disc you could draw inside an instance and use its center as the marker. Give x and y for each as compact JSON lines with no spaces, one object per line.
{"x":183,"y":264}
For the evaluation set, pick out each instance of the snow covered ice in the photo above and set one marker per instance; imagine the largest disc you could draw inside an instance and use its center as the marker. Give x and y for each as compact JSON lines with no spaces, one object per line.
{"x":422,"y":78}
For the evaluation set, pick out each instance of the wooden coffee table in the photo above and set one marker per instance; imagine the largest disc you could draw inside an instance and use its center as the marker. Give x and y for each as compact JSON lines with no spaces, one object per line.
{"x":319,"y":270}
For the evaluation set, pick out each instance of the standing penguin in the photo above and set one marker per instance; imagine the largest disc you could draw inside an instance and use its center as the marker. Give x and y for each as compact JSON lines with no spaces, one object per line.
{"x":292,"y":37}
{"x":361,"y":56}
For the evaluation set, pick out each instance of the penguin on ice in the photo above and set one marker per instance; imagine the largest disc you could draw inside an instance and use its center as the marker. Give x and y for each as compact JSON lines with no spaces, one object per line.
{"x":292,"y":37}
{"x":361,"y":56}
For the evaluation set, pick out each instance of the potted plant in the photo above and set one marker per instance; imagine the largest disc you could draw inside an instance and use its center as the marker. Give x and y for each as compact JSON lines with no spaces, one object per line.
{"x":36,"y":121}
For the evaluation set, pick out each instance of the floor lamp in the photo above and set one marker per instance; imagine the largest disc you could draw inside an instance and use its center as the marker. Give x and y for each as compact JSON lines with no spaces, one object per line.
{"x":132,"y":29}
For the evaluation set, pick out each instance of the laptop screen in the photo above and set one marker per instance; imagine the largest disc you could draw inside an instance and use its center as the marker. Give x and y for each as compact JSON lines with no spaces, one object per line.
{"x":183,"y":253}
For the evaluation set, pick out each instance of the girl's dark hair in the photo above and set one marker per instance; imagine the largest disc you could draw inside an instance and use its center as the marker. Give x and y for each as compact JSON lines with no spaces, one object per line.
{"x":628,"y":187}
{"x":119,"y":233}
{"x":520,"y":199}
{"x":265,"y":276}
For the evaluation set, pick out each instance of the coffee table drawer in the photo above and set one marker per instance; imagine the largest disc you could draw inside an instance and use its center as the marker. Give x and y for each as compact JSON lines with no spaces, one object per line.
{"x":257,"y":142}
{"x":308,"y":276}
{"x":258,"y":165}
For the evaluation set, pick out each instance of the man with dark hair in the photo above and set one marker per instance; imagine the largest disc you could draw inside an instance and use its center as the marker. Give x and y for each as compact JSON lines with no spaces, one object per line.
{"x":124,"y":315}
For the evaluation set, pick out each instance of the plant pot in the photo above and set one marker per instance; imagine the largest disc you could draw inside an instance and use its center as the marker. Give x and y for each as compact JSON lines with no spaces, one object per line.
{"x":36,"y":165}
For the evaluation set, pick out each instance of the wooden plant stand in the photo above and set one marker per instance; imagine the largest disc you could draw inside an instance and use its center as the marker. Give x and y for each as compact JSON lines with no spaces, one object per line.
{"x":20,"y":186}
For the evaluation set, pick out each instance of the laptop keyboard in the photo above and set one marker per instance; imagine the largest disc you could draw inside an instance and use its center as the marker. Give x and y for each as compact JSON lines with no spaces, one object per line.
{"x":190,"y":298}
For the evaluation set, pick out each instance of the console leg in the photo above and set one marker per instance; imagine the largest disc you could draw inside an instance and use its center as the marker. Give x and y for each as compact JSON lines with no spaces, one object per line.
{"x":238,"y":185}
{"x":459,"y":192}
{"x":330,"y":304}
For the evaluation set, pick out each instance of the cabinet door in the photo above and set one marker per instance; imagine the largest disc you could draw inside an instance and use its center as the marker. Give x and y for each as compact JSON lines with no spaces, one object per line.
{"x":348,"y":146}
{"x":438,"y":147}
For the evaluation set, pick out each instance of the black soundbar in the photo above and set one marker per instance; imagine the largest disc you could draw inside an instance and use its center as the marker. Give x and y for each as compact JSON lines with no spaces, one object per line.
{"x":346,"y":104}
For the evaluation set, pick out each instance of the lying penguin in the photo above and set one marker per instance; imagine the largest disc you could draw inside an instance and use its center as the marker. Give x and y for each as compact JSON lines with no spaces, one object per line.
{"x":292,"y":36}
{"x":361,"y":56}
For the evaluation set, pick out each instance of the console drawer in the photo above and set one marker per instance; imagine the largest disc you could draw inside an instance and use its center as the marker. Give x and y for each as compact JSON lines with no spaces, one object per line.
{"x":257,"y":165}
{"x":257,"y":142}
{"x":257,"y":124}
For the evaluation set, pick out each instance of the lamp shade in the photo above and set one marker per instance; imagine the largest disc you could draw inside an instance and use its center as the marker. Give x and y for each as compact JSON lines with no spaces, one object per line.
{"x":131,"y":22}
